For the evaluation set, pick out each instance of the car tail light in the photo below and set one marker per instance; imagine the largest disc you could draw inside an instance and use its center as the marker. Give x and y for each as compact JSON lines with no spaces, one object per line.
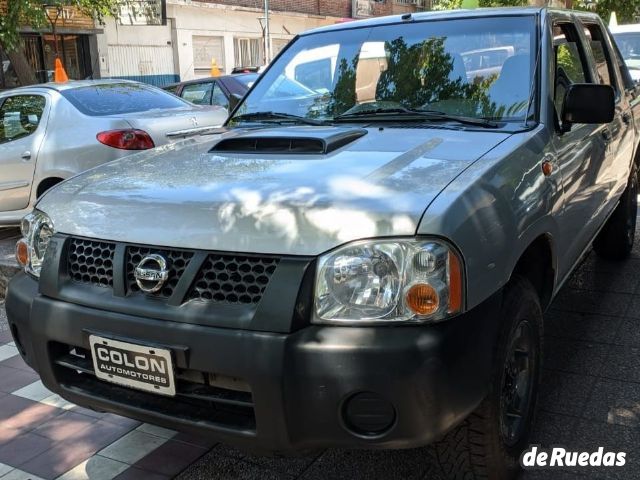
{"x":126,"y":139}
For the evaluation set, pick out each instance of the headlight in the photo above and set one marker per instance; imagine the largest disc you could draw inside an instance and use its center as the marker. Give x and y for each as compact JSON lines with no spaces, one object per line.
{"x":37,"y":230}
{"x":373,"y":281}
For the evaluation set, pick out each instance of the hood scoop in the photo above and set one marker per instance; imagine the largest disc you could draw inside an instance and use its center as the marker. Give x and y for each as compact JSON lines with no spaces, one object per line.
{"x":294,"y":140}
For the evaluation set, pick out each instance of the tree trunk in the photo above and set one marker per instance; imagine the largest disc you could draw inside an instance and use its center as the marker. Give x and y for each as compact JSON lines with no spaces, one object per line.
{"x":22,"y":67}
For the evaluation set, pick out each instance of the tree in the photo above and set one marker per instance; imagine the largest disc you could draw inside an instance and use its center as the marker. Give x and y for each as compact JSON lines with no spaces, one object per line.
{"x":627,"y":11}
{"x":31,"y":13}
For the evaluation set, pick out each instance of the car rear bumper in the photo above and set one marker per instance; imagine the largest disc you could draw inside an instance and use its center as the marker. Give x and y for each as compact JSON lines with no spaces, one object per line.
{"x":312,"y":388}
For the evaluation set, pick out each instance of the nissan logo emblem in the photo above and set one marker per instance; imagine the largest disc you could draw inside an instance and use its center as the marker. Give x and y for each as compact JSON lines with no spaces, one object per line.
{"x":151,"y":273}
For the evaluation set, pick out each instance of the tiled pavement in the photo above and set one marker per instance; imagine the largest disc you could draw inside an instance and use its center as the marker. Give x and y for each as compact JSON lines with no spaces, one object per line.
{"x":590,"y":397}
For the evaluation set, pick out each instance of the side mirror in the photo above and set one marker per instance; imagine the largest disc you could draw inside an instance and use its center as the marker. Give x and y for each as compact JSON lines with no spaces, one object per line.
{"x":588,"y":103}
{"x":234,"y":100}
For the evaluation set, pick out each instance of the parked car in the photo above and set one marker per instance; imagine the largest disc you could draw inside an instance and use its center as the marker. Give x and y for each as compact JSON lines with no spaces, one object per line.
{"x":53,"y":131}
{"x":336,"y":272}
{"x":628,"y":40}
{"x":214,"y":90}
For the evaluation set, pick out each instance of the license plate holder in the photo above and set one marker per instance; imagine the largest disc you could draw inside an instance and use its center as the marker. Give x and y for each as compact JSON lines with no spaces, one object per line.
{"x":132,"y":365}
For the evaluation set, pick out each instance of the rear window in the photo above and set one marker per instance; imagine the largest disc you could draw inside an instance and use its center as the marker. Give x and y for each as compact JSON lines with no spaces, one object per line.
{"x":247,"y":80}
{"x":120,"y":98}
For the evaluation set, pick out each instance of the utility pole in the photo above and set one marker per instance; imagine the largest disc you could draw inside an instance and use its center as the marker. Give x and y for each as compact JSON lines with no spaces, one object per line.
{"x":267,"y":33}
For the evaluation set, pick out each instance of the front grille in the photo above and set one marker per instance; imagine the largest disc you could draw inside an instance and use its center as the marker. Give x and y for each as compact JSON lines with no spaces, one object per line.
{"x":177,"y":260}
{"x":91,"y":262}
{"x":233,"y":279}
{"x":218,"y":278}
{"x":196,"y":399}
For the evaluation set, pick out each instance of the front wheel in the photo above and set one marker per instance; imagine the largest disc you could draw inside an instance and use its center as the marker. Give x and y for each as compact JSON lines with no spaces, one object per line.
{"x":615,"y":240}
{"x":488,"y":444}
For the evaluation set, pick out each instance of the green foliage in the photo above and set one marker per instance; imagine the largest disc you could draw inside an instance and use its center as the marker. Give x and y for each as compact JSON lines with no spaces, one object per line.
{"x":626,"y":10}
{"x":32,"y":13}
{"x":455,"y":4}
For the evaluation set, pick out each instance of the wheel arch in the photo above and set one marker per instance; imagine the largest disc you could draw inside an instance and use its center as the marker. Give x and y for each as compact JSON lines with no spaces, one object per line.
{"x":537,"y":263}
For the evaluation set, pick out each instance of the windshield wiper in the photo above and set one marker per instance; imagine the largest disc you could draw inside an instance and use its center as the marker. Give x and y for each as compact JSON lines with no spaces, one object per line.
{"x":384,"y":114}
{"x":262,"y":116}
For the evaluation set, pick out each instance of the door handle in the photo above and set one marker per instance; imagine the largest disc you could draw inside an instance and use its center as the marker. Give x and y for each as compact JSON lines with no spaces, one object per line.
{"x":606,"y":134}
{"x":26,"y":155}
{"x":626,"y":118}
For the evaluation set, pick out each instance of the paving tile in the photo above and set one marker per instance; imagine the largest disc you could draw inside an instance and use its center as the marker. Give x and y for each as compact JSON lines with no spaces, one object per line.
{"x":553,"y":429}
{"x":605,"y":281}
{"x":372,"y":465}
{"x":628,"y":332}
{"x":596,"y":264}
{"x":564,"y":393}
{"x":623,"y":363}
{"x":171,"y":458}
{"x":549,"y":474}
{"x":585,"y":358}
{"x":9,"y":434}
{"x":20,"y":413}
{"x":17,"y":474}
{"x":156,"y":430}
{"x":8,"y":351}
{"x":116,"y":419}
{"x":72,"y":451}
{"x":23,"y":448}
{"x":95,"y":468}
{"x":613,"y":438}
{"x":35,"y":391}
{"x":614,"y":402}
{"x":88,"y":412}
{"x":4,"y":469}
{"x":133,"y":473}
{"x":200,"y":441}
{"x":57,"y":401}
{"x":585,"y":301}
{"x":5,"y":337}
{"x":634,"y":307}
{"x":132,"y":447}
{"x":16,"y":362}
{"x":217,"y":466}
{"x":581,"y":326}
{"x":284,"y":465}
{"x":11,"y":379}
{"x":64,"y":426}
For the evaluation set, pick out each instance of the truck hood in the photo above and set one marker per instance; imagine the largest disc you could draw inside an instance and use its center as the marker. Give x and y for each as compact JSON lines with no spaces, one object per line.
{"x":187,"y":195}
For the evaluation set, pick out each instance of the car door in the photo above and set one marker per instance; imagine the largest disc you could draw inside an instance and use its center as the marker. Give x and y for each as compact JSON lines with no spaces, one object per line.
{"x":581,"y":152}
{"x":22,"y":128}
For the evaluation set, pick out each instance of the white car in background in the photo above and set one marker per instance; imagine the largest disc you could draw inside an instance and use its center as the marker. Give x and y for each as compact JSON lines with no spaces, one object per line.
{"x":628,"y":40}
{"x":51,"y":132}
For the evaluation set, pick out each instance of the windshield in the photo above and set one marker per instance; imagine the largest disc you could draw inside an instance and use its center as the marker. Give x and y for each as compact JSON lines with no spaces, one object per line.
{"x":477,"y":67}
{"x":120,"y":98}
{"x":629,"y":45}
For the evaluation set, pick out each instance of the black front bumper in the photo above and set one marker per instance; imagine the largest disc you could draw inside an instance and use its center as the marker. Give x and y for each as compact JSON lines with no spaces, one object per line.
{"x":301,"y":382}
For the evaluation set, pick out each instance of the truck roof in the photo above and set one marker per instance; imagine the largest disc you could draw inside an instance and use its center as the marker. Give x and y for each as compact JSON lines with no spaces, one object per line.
{"x":436,"y":15}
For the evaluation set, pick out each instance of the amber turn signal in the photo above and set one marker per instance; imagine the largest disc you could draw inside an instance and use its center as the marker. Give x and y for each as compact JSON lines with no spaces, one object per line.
{"x":422,"y":299}
{"x":22,"y":253}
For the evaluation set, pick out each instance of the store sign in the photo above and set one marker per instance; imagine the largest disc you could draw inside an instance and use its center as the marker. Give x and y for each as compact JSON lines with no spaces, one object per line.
{"x":362,"y":8}
{"x":142,"y":12}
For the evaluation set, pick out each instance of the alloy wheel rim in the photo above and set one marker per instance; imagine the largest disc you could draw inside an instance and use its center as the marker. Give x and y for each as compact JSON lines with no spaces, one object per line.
{"x":517,"y":384}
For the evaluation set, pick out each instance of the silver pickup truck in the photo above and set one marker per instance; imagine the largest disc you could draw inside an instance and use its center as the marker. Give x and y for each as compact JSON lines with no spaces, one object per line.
{"x":361,"y":257}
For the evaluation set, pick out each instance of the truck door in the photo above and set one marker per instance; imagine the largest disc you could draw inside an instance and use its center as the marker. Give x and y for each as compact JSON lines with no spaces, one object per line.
{"x":21,"y":134}
{"x":581,"y":152}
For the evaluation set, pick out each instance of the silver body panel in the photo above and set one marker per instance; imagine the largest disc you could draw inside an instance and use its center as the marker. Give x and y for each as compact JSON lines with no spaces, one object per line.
{"x":484,"y":191}
{"x":65,"y":144}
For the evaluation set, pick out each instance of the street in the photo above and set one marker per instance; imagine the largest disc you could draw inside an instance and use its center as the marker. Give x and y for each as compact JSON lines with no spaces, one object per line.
{"x":590,"y":398}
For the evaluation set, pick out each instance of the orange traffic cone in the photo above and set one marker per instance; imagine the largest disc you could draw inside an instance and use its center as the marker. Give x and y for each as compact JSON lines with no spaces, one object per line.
{"x":60,"y":76}
{"x":215,"y":70}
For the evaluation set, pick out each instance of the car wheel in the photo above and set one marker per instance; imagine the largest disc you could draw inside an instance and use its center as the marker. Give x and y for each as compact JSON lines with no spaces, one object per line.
{"x":615,"y":240}
{"x":488,"y":443}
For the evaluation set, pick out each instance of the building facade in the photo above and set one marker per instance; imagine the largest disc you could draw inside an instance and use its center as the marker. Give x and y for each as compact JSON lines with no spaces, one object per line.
{"x":77,"y":46}
{"x":230,"y":33}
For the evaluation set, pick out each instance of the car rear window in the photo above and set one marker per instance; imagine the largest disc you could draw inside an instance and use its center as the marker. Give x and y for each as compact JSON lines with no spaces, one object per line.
{"x":120,"y":98}
{"x":247,"y":80}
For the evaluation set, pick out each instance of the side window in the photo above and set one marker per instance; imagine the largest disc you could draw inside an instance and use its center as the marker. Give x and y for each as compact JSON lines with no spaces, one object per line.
{"x":218,"y":97}
{"x":20,"y":116}
{"x":601,"y":54}
{"x":198,"y":93}
{"x":570,"y":61}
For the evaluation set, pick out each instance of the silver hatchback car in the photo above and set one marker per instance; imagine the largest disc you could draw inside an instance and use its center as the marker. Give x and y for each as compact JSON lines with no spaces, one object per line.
{"x":53,"y":131}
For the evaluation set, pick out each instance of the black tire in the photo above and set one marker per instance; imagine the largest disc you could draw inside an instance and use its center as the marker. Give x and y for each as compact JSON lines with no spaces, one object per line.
{"x":615,"y":240}
{"x":480,"y":448}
